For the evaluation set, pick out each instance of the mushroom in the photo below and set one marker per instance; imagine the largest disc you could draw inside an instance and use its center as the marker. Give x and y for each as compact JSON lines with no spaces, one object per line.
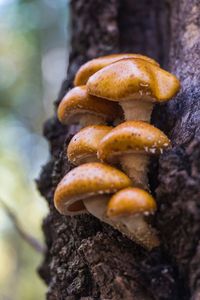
{"x":89,"y":187}
{"x":136,"y":84}
{"x":94,"y":65}
{"x":129,"y":210}
{"x":130,"y":144}
{"x":84,"y":145}
{"x":79,"y":107}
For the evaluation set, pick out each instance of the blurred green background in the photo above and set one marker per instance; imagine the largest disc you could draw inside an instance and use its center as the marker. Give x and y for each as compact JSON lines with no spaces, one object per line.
{"x":33,"y":59}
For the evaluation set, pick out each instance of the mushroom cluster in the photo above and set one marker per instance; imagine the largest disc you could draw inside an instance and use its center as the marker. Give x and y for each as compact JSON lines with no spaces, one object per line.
{"x":112,"y":101}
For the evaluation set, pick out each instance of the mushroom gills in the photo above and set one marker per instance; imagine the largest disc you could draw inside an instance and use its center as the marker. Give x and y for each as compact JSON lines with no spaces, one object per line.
{"x":138,"y":230}
{"x":85,"y":159}
{"x":137,"y":110}
{"x":71,"y":208}
{"x":97,"y":206}
{"x":135,"y":165}
{"x":86,"y":119}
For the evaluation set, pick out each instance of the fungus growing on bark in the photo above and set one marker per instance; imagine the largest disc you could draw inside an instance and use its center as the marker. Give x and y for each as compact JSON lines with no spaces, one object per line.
{"x":130,"y":144}
{"x":130,"y":208}
{"x":136,"y":84}
{"x":96,"y":64}
{"x":79,"y":107}
{"x":88,"y":188}
{"x":84,"y":145}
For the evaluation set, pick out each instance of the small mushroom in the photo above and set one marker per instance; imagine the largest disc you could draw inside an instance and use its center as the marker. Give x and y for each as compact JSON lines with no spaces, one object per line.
{"x":79,"y":107}
{"x":130,"y":144}
{"x":129,"y":210}
{"x":136,"y":84}
{"x":96,"y":64}
{"x":84,"y":145}
{"x":88,"y":188}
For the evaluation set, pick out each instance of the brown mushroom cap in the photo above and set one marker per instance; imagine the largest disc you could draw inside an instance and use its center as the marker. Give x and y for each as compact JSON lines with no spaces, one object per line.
{"x":131,"y":201}
{"x":133,"y":79}
{"x":86,"y":181}
{"x":128,"y":208}
{"x":85,"y":143}
{"x":96,"y":64}
{"x":77,"y":102}
{"x":132,"y":137}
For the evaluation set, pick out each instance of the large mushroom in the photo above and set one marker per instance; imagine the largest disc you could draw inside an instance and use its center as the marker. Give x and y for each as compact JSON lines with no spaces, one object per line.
{"x":94,"y":65}
{"x":129,"y":209}
{"x":84,"y":145}
{"x":79,"y":107}
{"x":130,"y":144}
{"x":88,"y":188}
{"x":136,"y":84}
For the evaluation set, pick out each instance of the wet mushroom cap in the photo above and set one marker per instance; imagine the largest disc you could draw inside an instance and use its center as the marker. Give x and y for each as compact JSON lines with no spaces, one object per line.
{"x":96,"y":64}
{"x":78,"y":102}
{"x":85,"y":143}
{"x":132,"y":137}
{"x":86,"y":181}
{"x":129,"y":79}
{"x":131,"y":201}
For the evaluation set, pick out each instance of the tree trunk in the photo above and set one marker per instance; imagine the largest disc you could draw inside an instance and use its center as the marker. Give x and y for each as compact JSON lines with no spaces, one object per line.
{"x":87,"y":259}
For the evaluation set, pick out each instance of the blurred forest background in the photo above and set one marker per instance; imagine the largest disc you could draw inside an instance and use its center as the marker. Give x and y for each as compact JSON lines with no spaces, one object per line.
{"x":33,"y":41}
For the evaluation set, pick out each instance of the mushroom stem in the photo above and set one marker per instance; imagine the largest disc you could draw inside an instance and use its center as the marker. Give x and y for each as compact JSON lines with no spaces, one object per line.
{"x":135,"y":165}
{"x":138,"y":230}
{"x":90,"y":119}
{"x":137,"y":110}
{"x":97,"y":206}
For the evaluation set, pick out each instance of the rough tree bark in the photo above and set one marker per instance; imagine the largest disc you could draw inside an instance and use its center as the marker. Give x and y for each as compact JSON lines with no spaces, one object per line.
{"x":85,"y":258}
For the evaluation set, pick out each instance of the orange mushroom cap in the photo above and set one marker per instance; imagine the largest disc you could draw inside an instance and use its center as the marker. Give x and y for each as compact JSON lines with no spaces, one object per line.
{"x":78,"y":102}
{"x":96,"y":64}
{"x":131,"y":78}
{"x":132,"y":137}
{"x":131,"y":201}
{"x":85,"y":143}
{"x":85,"y":181}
